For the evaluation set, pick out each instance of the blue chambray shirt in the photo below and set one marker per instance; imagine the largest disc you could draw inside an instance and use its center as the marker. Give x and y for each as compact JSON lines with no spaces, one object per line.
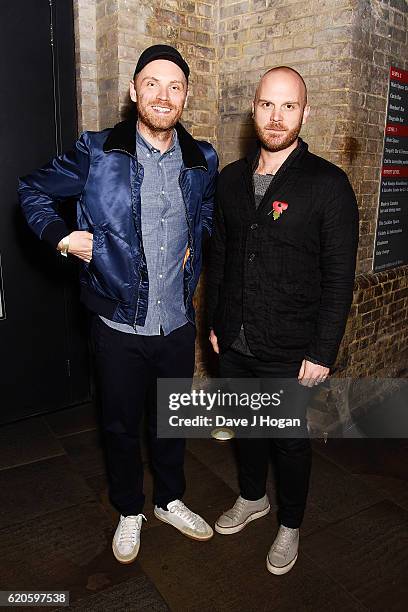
{"x":165,"y":238}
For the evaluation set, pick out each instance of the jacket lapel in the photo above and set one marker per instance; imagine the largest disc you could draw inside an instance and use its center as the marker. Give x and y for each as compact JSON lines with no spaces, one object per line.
{"x":249,"y":186}
{"x":282,"y":184}
{"x":284,"y":179}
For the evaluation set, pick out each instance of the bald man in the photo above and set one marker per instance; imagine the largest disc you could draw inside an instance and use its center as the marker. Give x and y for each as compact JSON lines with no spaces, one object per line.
{"x":280,"y":287}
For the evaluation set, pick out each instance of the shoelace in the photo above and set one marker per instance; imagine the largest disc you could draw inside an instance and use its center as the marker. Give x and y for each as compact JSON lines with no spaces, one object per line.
{"x":236,"y":509}
{"x":183,"y":512}
{"x":284,"y":541}
{"x":129,"y":526}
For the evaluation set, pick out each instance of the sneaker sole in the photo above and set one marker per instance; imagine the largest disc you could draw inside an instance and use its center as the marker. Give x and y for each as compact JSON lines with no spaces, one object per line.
{"x":278,"y":571}
{"x":241,"y":526}
{"x":125,"y":560}
{"x":188,"y":535}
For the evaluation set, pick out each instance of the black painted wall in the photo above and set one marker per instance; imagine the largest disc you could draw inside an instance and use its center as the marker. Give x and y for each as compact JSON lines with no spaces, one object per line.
{"x":44,"y":361}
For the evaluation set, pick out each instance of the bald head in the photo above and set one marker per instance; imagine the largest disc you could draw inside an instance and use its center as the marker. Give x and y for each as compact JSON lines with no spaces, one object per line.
{"x":280,"y":108}
{"x":284,"y":75}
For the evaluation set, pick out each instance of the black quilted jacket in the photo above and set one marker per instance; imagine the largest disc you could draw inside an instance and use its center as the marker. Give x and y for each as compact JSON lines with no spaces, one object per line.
{"x":287,"y":276}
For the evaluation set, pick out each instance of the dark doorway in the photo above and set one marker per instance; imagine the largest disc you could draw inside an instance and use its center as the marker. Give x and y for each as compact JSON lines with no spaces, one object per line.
{"x":43,"y":353}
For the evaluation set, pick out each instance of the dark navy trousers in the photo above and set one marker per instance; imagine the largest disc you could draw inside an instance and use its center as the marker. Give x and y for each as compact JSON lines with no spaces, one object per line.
{"x":127,"y":367}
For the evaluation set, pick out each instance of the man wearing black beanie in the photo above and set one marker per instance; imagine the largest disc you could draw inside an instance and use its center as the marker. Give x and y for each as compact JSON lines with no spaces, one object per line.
{"x":145,"y":196}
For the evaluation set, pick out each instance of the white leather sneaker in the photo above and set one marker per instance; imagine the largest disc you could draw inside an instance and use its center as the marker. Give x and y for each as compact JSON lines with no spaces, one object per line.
{"x":242,"y":512}
{"x":126,"y":541}
{"x":284,"y":551}
{"x":183,"y":519}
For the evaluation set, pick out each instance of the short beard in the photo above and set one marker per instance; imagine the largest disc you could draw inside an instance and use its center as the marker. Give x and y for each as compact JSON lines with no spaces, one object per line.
{"x":268,"y":143}
{"x":156,"y":125}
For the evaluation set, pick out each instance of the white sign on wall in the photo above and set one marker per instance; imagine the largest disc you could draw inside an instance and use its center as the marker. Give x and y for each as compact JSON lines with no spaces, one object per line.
{"x":2,"y":307}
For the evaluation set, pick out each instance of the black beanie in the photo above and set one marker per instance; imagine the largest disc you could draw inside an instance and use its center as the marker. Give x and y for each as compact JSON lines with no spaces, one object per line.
{"x":161,"y":52}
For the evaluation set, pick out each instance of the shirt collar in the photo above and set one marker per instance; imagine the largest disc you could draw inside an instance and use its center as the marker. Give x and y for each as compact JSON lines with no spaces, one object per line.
{"x":142,"y":142}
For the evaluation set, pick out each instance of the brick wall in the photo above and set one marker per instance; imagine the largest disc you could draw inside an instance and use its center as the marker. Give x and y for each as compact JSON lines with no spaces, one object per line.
{"x":379,"y":40}
{"x":111,"y":34}
{"x":376,"y":340}
{"x":313,"y":37}
{"x":86,"y":64}
{"x":343,"y":48}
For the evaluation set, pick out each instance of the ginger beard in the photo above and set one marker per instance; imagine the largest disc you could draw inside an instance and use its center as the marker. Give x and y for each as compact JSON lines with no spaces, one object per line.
{"x":156,"y":120}
{"x":276,"y":137}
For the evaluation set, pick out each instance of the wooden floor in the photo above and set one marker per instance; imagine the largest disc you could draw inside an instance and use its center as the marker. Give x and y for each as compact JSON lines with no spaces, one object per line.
{"x":56,"y":527}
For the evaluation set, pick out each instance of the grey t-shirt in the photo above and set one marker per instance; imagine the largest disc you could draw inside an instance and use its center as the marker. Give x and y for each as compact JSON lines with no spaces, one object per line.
{"x":261,"y":183}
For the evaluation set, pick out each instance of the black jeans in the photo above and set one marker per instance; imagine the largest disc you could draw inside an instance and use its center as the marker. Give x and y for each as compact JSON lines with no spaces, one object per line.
{"x":127,"y":367}
{"x":293,"y":456}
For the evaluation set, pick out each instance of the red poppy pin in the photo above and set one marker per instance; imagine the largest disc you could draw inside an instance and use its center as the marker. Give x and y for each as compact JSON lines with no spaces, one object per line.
{"x":278,"y":208}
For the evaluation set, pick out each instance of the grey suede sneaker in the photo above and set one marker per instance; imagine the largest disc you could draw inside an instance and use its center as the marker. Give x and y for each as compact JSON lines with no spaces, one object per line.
{"x":284,"y":551}
{"x":242,"y":513}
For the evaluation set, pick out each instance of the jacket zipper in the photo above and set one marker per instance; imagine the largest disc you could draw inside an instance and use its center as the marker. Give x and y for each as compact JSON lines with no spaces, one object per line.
{"x":190,"y":239}
{"x":140,"y":263}
{"x":131,"y":195}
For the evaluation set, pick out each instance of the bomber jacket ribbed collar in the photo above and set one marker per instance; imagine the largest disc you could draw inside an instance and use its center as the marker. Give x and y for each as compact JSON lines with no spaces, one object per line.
{"x":123,"y":138}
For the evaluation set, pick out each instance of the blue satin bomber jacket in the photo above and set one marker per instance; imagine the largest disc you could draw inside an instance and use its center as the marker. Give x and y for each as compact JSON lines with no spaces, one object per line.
{"x":102,"y":173}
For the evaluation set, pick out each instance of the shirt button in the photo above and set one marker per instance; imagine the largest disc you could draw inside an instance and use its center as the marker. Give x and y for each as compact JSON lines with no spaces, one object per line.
{"x":162,"y":220}
{"x":162,"y":192}
{"x":158,"y":301}
{"x":254,"y":226}
{"x":160,"y":275}
{"x":162,"y":248}
{"x":251,"y":257}
{"x":159,"y":163}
